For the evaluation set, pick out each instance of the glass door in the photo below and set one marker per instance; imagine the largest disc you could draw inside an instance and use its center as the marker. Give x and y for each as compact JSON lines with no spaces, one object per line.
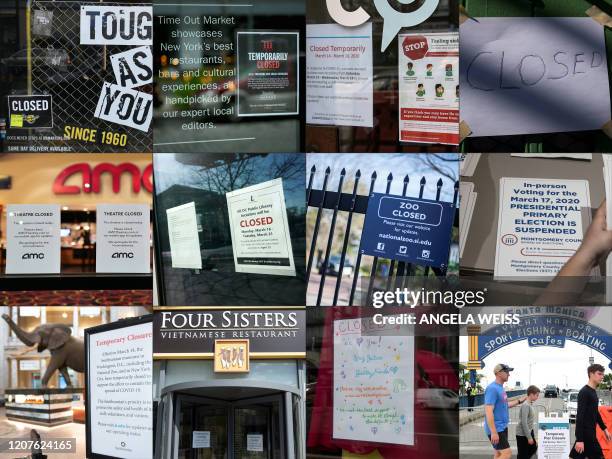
{"x":203,"y":428}
{"x":251,"y":428}
{"x":259,"y":428}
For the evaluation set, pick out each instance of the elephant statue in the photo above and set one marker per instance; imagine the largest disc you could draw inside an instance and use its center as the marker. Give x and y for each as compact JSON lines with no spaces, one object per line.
{"x":66,"y":350}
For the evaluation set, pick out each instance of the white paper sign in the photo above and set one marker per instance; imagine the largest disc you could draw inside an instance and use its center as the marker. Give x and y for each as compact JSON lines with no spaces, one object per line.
{"x":553,"y":437}
{"x":539,"y":225}
{"x":116,"y":25}
{"x":124,"y":388}
{"x":33,"y":239}
{"x":533,"y":75}
{"x":29,"y":365}
{"x":122,"y":238}
{"x":260,"y":229}
{"x":133,"y":67}
{"x":255,"y":442}
{"x":373,"y":383}
{"x":125,"y":106}
{"x":339,"y":79}
{"x":200,"y":439}
{"x":29,"y":311}
{"x":428,"y":78}
{"x":184,"y":239}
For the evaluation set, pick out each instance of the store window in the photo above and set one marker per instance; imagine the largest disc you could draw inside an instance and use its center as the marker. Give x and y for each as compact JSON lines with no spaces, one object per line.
{"x":411,"y":414}
{"x":211,"y":94}
{"x":372,"y":124}
{"x":220,"y":274}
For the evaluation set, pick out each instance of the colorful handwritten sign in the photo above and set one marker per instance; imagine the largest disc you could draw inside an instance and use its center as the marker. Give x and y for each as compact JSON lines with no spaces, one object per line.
{"x":373,"y":382}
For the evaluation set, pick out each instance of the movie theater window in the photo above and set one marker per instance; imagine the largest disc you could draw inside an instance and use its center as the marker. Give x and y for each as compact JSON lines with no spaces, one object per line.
{"x":373,"y":85}
{"x":228,"y":76}
{"x":68,"y":84}
{"x":86,"y":217}
{"x":230,"y":228}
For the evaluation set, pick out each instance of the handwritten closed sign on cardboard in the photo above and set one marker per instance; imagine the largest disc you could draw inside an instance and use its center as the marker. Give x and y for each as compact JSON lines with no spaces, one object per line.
{"x":533,"y":75}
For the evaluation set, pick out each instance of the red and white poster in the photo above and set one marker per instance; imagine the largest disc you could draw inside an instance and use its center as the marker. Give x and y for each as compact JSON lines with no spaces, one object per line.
{"x":428,"y":67}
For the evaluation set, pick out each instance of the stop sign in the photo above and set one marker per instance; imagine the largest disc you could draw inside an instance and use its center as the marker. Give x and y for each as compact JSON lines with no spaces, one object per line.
{"x":415,"y":47}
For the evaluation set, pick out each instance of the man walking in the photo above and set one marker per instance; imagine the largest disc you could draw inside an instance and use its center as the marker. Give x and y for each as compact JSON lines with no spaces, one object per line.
{"x":497,"y":416}
{"x":525,"y":435}
{"x":587,"y":416}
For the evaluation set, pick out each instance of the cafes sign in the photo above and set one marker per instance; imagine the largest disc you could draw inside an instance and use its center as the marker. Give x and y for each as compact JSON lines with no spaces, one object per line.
{"x":196,"y":334}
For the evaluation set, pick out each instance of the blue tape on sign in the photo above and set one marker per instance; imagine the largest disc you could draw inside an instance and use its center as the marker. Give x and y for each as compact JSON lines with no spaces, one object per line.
{"x":408,"y":229}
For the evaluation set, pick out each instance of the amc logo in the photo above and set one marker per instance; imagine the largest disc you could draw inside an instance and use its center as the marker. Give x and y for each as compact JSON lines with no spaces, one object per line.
{"x":33,"y":256}
{"x":92,"y":178}
{"x":123,"y":255}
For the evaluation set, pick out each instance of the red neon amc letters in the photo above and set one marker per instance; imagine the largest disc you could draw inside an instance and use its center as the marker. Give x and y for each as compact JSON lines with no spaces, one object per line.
{"x":92,"y":178}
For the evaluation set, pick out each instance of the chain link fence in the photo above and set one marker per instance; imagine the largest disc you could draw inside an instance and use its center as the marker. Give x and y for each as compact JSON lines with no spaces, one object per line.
{"x":74,"y":74}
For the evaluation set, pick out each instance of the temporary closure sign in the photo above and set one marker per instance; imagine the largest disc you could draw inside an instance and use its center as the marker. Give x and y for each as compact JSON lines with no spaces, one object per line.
{"x":260,"y":230}
{"x":33,"y":239}
{"x":408,"y":229}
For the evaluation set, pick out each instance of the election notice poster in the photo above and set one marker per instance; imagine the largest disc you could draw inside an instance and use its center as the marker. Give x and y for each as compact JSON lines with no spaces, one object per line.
{"x":539,"y":225}
{"x":532,"y":75}
{"x":123,"y":238}
{"x":89,"y":74}
{"x":119,"y":375}
{"x":33,"y":239}
{"x":268,"y":73}
{"x":373,"y":383}
{"x":408,"y":229}
{"x":339,"y":75}
{"x":553,"y":437}
{"x":184,"y":239}
{"x":260,"y":230}
{"x":429,"y":88}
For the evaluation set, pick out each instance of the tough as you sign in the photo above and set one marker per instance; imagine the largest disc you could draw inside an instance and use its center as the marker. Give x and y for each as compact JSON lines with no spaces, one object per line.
{"x":408,"y":229}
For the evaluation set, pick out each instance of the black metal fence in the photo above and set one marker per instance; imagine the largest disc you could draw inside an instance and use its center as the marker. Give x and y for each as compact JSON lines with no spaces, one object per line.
{"x":353,"y":203}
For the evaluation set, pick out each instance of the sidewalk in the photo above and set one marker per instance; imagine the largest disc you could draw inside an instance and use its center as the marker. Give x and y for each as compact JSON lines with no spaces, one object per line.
{"x":19,"y":430}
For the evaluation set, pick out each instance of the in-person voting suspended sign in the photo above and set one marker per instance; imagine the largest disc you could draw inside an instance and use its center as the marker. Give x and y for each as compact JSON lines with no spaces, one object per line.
{"x":408,"y":229}
{"x":33,"y":239}
{"x":260,"y":229}
{"x":533,"y":75}
{"x":429,"y":88}
{"x":553,"y":437}
{"x":373,"y":382}
{"x":339,"y":75}
{"x":539,"y":225}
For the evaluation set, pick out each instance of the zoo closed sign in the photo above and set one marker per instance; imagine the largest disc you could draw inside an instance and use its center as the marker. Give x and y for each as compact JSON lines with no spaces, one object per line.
{"x":408,"y":229}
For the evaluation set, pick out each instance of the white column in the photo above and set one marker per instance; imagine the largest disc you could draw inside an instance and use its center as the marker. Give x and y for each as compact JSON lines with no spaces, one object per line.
{"x":75,"y":321}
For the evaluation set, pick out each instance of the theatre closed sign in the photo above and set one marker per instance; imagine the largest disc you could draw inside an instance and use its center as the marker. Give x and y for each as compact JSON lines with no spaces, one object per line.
{"x":271,"y":333}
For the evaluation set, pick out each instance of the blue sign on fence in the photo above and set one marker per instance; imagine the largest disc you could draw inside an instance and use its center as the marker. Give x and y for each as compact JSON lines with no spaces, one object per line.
{"x":408,"y":229}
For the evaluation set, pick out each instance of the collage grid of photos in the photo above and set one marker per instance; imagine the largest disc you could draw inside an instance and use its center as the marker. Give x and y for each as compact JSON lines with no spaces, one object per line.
{"x":280,"y":230}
